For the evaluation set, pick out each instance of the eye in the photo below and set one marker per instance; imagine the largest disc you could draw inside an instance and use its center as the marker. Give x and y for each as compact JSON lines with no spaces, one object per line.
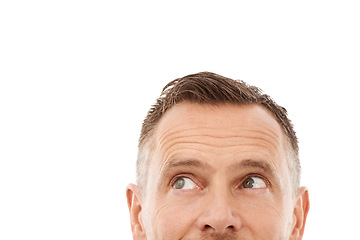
{"x":184,"y":183}
{"x":254,"y":182}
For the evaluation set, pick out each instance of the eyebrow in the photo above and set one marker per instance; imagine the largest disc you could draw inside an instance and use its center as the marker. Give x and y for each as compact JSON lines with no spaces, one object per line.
{"x":185,"y":163}
{"x":250,"y":163}
{"x":243,"y":164}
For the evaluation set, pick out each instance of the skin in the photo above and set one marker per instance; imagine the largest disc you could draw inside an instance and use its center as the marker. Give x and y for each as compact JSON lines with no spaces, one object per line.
{"x":210,"y":152}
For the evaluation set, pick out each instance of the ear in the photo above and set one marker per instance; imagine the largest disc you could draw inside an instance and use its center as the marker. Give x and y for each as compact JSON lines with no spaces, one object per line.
{"x":301,"y":209}
{"x":135,"y":208}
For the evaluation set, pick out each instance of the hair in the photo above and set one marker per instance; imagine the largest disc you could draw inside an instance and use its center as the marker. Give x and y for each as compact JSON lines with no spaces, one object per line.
{"x":211,"y":88}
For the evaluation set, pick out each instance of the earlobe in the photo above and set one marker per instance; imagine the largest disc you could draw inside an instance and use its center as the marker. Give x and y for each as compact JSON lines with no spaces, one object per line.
{"x":135,"y":208}
{"x":301,"y":209}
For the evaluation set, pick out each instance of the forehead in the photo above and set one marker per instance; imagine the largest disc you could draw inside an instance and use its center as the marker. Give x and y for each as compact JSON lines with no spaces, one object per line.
{"x":223,"y":126}
{"x":227,"y":117}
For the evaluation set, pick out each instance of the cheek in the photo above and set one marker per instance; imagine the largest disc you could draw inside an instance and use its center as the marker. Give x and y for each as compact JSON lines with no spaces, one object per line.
{"x":266,"y":219}
{"x":171,"y":218}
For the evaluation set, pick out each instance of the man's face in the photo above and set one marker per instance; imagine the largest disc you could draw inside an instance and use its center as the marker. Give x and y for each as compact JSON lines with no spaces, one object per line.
{"x":217,"y":172}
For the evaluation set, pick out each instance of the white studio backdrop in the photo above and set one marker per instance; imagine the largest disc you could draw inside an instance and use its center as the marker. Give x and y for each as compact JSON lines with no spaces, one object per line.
{"x":77,"y":78}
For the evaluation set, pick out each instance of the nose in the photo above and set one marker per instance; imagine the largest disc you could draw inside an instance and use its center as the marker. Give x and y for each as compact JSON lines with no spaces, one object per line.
{"x":218,"y":214}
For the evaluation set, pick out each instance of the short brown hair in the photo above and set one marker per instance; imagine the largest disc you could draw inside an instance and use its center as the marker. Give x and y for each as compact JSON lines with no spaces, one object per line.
{"x":211,"y":88}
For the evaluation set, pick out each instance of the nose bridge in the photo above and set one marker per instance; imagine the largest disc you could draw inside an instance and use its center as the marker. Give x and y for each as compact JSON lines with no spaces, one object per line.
{"x":220,"y":201}
{"x":218,"y":211}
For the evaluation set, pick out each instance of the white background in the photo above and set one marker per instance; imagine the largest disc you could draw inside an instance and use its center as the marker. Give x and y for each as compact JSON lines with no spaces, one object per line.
{"x":77,"y":78}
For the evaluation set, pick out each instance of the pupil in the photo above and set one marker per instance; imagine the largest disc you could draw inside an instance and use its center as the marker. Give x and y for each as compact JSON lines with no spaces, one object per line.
{"x":179,"y":183}
{"x":249,"y":183}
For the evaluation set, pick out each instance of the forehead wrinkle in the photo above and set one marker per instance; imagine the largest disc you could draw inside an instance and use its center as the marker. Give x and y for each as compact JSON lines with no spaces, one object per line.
{"x":180,"y":135}
{"x":171,"y":131}
{"x":172,"y":160}
{"x":167,"y":135}
{"x":200,"y":139}
{"x":170,"y":156}
{"x":223,"y":129}
{"x":174,"y":144}
{"x":167,"y":149}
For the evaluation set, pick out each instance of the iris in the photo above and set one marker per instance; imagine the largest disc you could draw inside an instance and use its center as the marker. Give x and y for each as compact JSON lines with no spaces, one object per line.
{"x":180,"y":183}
